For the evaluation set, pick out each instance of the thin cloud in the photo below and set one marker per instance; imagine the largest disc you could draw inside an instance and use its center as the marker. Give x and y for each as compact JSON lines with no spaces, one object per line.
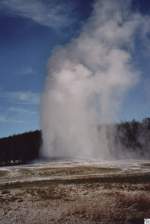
{"x":20,"y":110}
{"x":6,"y":119}
{"x":22,"y":97}
{"x":17,"y":115}
{"x":44,"y":13}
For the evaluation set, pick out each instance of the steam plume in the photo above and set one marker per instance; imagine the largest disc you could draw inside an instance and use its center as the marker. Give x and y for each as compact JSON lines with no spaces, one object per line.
{"x":87,"y":81}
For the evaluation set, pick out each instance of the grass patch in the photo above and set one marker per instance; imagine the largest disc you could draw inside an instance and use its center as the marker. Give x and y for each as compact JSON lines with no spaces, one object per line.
{"x":147,"y":165}
{"x":3,"y":173}
{"x":117,"y":207}
{"x":52,"y":192}
{"x":81,"y":170}
{"x":27,"y":172}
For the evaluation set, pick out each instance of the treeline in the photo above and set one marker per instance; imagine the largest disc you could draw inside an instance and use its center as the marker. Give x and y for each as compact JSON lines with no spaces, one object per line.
{"x":130,"y":140}
{"x":20,"y":149}
{"x":133,"y":139}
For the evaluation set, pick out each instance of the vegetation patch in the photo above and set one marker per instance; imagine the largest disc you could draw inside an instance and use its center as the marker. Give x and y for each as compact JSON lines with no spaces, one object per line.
{"x":4,"y":173}
{"x":79,"y":170}
{"x":27,"y":172}
{"x":117,"y":207}
{"x":146,"y":165}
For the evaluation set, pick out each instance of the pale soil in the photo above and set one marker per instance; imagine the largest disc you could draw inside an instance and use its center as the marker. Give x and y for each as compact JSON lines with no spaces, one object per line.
{"x":95,"y":200}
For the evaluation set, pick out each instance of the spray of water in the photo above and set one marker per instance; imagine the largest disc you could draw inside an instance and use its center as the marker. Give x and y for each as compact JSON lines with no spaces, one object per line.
{"x":87,"y":81}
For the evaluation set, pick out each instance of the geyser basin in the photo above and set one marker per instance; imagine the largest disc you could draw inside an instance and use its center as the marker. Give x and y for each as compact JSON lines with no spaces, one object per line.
{"x":66,"y":171}
{"x":77,"y":193}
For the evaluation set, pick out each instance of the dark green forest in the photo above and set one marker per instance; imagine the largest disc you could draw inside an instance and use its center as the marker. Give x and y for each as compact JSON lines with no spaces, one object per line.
{"x":131,"y":139}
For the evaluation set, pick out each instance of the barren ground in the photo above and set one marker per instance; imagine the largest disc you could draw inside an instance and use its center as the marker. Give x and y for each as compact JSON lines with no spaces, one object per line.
{"x":75,"y":193}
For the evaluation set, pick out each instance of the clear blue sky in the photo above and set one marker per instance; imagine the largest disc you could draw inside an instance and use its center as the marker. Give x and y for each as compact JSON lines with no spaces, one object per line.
{"x":29,"y":31}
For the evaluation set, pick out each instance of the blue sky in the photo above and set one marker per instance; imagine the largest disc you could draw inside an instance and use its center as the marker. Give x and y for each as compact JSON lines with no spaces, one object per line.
{"x":29,"y":32}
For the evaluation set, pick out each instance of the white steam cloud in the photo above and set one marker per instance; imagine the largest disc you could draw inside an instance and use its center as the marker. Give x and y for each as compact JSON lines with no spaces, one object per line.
{"x":87,"y":81}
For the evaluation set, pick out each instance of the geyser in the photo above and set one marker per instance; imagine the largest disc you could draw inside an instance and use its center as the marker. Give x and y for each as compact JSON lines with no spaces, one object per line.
{"x":87,"y":81}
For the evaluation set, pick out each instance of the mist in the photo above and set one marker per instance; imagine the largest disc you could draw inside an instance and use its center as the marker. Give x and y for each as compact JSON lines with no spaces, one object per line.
{"x":87,"y":82}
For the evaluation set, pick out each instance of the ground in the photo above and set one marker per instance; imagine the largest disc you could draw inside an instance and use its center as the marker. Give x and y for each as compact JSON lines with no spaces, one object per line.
{"x":69,"y":192}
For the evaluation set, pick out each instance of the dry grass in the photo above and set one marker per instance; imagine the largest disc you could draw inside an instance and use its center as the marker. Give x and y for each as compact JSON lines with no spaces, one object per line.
{"x":117,"y":207}
{"x":74,"y":204}
{"x":3,"y":173}
{"x":115,"y":198}
{"x":25,"y":172}
{"x":47,"y":193}
{"x":146,"y":165}
{"x":85,"y":170}
{"x":63,"y":171}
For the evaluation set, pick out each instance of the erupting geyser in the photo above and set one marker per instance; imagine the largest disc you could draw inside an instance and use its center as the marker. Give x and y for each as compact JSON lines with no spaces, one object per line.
{"x":87,"y":80}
